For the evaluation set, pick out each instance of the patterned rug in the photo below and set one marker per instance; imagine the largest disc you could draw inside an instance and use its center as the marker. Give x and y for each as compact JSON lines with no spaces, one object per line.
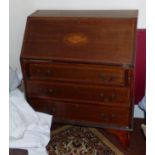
{"x":75,"y":140}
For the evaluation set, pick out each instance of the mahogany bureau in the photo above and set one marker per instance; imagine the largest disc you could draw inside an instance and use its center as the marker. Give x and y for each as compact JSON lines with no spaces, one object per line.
{"x":79,"y":67}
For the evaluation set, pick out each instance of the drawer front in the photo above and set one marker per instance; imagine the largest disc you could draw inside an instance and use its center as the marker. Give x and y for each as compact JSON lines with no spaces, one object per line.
{"x":78,"y":73}
{"x":87,"y":113}
{"x":68,"y":91}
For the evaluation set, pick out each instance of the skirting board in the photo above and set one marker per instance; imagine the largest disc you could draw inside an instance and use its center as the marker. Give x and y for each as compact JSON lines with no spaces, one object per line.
{"x":138,"y":113}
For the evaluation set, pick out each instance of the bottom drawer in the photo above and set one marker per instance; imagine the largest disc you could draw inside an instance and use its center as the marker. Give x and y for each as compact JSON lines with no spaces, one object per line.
{"x":85,"y":113}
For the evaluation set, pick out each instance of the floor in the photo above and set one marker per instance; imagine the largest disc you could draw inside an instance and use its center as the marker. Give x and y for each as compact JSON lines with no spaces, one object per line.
{"x":137,"y":143}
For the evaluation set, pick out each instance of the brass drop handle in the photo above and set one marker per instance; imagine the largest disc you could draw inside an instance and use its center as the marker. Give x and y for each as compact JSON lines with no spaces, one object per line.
{"x":106,"y":99}
{"x":50,"y":90}
{"x":110,"y":98}
{"x":53,"y":110}
{"x":102,"y":76}
{"x":40,"y":89}
{"x":102,"y":95}
{"x":49,"y":71}
{"x":113,"y":96}
{"x":104,"y":117}
{"x":38,"y":70}
{"x":113,"y":116}
{"x":112,"y":78}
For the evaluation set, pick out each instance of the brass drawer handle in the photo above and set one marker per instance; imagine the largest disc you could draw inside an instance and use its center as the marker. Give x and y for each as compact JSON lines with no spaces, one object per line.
{"x":38,"y":70}
{"x":112,"y":78}
{"x":102,"y":76}
{"x":113,"y":96}
{"x":49,"y":71}
{"x":40,"y":89}
{"x":50,"y":90}
{"x":53,"y":110}
{"x":102,"y":95}
{"x":107,"y":118}
{"x":108,"y":99}
{"x":104,"y":117}
{"x":113,"y":116}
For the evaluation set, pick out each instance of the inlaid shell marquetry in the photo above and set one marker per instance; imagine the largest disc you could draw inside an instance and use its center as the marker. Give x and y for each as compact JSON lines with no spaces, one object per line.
{"x":76,"y":39}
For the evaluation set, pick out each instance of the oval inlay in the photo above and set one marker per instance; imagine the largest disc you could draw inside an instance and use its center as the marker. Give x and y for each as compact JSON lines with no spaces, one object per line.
{"x":76,"y":39}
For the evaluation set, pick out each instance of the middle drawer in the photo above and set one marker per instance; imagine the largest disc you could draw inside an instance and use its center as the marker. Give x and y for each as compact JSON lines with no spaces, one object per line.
{"x":74,"y":92}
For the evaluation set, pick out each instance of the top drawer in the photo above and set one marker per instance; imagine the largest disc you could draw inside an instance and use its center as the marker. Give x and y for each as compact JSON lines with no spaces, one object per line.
{"x":97,"y":74}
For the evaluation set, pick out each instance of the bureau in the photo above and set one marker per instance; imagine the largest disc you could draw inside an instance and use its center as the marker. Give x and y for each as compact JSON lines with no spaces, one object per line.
{"x":79,"y":66}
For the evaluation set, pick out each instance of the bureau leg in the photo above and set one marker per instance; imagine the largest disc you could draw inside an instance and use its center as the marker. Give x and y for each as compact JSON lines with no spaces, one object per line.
{"x":123,"y":136}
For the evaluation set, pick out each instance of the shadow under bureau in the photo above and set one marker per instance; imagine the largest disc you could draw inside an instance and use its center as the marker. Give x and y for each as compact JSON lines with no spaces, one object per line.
{"x":79,"y":67}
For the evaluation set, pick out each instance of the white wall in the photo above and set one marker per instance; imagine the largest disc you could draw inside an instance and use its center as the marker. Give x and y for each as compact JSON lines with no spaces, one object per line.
{"x":20,"y":9}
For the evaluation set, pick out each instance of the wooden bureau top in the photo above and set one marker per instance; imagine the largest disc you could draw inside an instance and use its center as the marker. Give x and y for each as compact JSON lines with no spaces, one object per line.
{"x":86,"y":13}
{"x":105,"y":37}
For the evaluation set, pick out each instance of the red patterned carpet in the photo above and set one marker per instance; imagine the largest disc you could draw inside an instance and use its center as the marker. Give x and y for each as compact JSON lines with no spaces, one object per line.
{"x":76,"y":140}
{"x":137,"y":144}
